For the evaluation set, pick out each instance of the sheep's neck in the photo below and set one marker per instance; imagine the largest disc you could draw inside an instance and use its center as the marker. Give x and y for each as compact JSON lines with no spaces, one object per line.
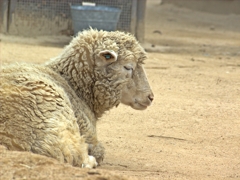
{"x":93,"y":88}
{"x":107,"y":93}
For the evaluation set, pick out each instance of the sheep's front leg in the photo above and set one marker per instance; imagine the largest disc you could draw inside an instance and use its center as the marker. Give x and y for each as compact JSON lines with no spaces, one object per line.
{"x":87,"y":129}
{"x":95,"y":148}
{"x":76,"y":147}
{"x":97,"y":151}
{"x":91,"y":163}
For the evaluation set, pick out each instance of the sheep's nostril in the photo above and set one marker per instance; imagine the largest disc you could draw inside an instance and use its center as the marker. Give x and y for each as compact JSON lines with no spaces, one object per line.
{"x":151,"y":97}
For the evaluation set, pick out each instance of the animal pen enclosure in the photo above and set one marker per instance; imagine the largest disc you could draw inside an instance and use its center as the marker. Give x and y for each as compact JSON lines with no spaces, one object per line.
{"x":53,"y":17}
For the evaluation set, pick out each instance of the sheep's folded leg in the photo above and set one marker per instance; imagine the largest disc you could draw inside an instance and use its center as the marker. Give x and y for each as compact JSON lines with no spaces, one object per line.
{"x":92,"y":163}
{"x":97,"y":151}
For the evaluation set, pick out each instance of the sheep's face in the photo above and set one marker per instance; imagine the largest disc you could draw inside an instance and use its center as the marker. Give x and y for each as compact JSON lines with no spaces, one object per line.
{"x":127,"y":70}
{"x":137,"y":92}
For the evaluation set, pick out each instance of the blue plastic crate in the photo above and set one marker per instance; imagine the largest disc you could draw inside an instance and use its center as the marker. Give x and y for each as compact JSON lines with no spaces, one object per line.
{"x":99,"y":17}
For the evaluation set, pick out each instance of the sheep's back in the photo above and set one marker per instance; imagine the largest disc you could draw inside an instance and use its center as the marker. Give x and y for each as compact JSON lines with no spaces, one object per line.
{"x":33,"y":108}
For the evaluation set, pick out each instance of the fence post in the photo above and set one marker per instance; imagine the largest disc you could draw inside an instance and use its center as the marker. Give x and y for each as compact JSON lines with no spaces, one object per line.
{"x":133,"y":17}
{"x":4,"y":6}
{"x":141,"y":6}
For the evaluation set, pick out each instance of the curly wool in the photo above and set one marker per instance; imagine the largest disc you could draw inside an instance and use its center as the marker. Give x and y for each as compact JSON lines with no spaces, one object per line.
{"x":45,"y":108}
{"x":99,"y":89}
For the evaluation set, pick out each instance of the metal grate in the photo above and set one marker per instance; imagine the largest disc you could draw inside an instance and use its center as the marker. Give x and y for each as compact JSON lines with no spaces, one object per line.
{"x":52,"y":17}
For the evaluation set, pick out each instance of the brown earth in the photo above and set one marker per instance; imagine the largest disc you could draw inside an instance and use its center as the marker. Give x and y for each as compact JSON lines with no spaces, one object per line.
{"x":192,"y":129}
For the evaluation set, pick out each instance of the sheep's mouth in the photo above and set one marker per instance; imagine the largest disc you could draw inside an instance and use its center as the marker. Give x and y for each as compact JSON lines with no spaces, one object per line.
{"x":139,"y":106}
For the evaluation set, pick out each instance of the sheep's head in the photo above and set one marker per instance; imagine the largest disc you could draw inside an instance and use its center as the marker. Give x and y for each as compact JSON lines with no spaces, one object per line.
{"x":120,"y":58}
{"x":105,"y":69}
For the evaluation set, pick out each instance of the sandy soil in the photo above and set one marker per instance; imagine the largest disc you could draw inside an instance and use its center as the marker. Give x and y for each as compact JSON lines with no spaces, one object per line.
{"x":192,"y":129}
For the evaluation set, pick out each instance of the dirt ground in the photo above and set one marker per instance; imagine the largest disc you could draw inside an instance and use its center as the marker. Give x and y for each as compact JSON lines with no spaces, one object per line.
{"x":192,"y":129}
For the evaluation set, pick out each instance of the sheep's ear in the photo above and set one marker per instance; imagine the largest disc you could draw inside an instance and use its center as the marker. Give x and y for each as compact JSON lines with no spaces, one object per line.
{"x":107,"y":56}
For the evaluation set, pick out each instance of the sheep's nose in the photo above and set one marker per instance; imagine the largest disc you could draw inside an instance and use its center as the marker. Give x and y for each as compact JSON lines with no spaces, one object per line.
{"x":151,"y":97}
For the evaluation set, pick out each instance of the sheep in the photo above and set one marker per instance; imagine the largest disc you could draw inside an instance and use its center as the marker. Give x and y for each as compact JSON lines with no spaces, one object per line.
{"x":52,"y":109}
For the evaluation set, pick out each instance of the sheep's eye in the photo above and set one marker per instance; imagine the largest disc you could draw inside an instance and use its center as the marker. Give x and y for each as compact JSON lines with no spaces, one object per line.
{"x":128,"y":68}
{"x":108,"y":56}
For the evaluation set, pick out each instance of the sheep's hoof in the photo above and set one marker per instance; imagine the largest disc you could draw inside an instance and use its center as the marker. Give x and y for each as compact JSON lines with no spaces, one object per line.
{"x":97,"y":151}
{"x":92,"y":163}
{"x":99,"y":160}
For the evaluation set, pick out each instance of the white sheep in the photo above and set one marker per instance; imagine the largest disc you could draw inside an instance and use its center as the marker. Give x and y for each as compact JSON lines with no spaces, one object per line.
{"x":52,"y":109}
